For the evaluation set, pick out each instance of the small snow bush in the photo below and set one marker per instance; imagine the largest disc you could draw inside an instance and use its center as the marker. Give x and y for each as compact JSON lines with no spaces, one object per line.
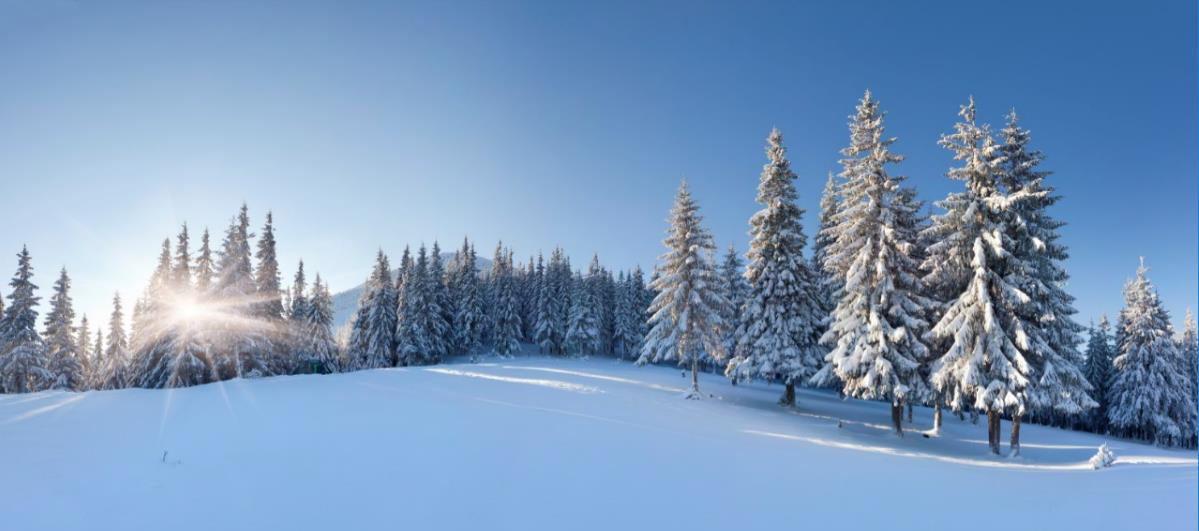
{"x":1103,"y":458}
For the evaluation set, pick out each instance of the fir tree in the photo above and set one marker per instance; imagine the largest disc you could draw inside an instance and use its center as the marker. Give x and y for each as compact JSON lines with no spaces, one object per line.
{"x":83,"y":342}
{"x":115,"y":374}
{"x":437,"y":310}
{"x":685,"y":315}
{"x":1188,"y":344}
{"x":553,"y":305}
{"x":181,"y":274}
{"x":736,"y":292}
{"x":416,"y":329}
{"x":1150,"y":394}
{"x":23,"y":361}
{"x":583,"y":330}
{"x":984,"y":364}
{"x":780,"y":325}
{"x":828,"y":283}
{"x":204,"y":266}
{"x":1098,"y":371}
{"x":1034,"y":266}
{"x":62,"y":350}
{"x":468,"y":301}
{"x":878,"y":322}
{"x":505,"y":322}
{"x":321,"y":348}
{"x":372,"y":342}
{"x":241,"y":345}
{"x":99,"y":361}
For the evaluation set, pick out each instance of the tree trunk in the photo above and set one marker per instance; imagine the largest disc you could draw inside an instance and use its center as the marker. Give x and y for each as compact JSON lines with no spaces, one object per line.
{"x":897,"y":418}
{"x":993,"y":431}
{"x":910,"y":408}
{"x":936,"y":416}
{"x":788,"y":395}
{"x":695,"y":375}
{"x":1015,"y":435}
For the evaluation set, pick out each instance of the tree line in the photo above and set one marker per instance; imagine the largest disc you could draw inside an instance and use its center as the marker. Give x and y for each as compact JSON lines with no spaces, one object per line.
{"x":965,"y":309}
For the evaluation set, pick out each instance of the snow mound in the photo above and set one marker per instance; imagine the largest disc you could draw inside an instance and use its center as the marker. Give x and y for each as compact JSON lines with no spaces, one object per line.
{"x":1103,"y":458}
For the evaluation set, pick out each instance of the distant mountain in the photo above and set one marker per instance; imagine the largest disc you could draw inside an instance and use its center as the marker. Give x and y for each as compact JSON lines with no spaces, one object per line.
{"x":345,"y":302}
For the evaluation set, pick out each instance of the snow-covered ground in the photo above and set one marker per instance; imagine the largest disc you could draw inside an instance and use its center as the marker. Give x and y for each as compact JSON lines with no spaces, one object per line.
{"x":538,"y":443}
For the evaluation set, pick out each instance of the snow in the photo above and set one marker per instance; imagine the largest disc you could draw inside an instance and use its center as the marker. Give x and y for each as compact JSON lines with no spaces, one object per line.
{"x":548,"y":443}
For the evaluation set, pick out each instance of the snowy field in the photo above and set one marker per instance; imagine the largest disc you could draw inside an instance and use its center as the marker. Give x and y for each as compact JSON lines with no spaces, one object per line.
{"x":537,"y":443}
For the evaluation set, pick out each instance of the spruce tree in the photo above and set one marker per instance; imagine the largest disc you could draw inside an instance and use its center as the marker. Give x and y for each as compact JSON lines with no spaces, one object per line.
{"x":984,"y":364}
{"x":780,"y":324}
{"x":438,"y":312}
{"x":24,"y":366}
{"x":736,"y":291}
{"x":1188,"y":344}
{"x":828,"y":284}
{"x":505,"y":321}
{"x":297,"y":322}
{"x":416,"y":329}
{"x":321,"y":348}
{"x":372,"y":342}
{"x":83,"y":342}
{"x":685,"y":315}
{"x":876,"y":328}
{"x":62,"y":350}
{"x":1059,"y":389}
{"x":204,"y":266}
{"x":115,"y":374}
{"x":99,"y":361}
{"x":554,"y":305}
{"x":1150,"y":394}
{"x":1098,"y":371}
{"x":583,"y":329}
{"x":468,"y":301}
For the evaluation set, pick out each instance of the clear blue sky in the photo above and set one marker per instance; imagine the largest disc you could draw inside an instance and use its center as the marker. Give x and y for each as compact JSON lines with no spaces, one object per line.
{"x":544,"y":123}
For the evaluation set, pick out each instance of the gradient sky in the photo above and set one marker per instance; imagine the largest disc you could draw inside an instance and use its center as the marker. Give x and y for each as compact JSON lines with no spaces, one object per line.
{"x":378,"y":124}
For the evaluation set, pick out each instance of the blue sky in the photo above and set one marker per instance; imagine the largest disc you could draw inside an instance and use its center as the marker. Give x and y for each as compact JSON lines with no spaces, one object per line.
{"x":378,"y":124}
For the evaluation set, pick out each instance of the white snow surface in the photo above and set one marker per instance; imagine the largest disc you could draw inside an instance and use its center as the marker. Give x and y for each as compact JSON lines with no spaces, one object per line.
{"x":537,"y":443}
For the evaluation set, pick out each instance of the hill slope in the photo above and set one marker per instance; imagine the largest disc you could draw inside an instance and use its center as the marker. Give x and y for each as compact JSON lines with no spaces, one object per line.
{"x":537,"y":443}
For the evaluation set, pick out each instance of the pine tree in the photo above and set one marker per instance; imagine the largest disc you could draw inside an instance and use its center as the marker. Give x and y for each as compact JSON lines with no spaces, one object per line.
{"x":321,"y":348}
{"x":99,"y":361}
{"x":553,"y":305}
{"x":780,"y":325}
{"x":240,"y":345}
{"x":115,"y":374}
{"x":269,"y":306}
{"x":372,"y":342}
{"x":204,"y":266}
{"x":62,"y":350}
{"x":828,"y":283}
{"x":1059,"y":389}
{"x":984,"y":363}
{"x":1188,"y":344}
{"x":181,"y":274}
{"x":876,"y":328}
{"x":1098,"y":371}
{"x":505,"y":321}
{"x":153,"y":346}
{"x":685,"y":315}
{"x":23,"y":361}
{"x":437,"y":311}
{"x":416,"y":325}
{"x":468,"y":301}
{"x":83,"y":342}
{"x":297,"y":323}
{"x":736,"y":292}
{"x":583,"y":330}
{"x":1150,"y":394}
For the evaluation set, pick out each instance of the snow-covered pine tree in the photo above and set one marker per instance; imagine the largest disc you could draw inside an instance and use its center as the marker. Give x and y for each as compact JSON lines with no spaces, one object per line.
{"x":415,"y":327}
{"x":554,"y":305}
{"x":115,"y":372}
{"x":1098,"y":371}
{"x":983,"y":365}
{"x":685,"y":315}
{"x":204,"y":266}
{"x":23,"y":361}
{"x":1059,"y":390}
{"x":321,"y":348}
{"x":1188,"y":344}
{"x":876,"y":328}
{"x":297,"y":323}
{"x":95,"y":378}
{"x":269,"y":306}
{"x":181,"y":274}
{"x":438,"y":307}
{"x":152,"y":347}
{"x":780,"y":324}
{"x":1150,"y":394}
{"x":190,"y":362}
{"x":240,"y":339}
{"x":372,"y":342}
{"x":83,"y":341}
{"x":583,"y":329}
{"x":505,"y":322}
{"x":736,"y":291}
{"x":827,"y":283}
{"x":468,"y":301}
{"x":62,"y":351}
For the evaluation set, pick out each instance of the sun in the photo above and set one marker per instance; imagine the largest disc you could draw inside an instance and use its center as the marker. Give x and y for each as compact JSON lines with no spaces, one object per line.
{"x":187,"y":309}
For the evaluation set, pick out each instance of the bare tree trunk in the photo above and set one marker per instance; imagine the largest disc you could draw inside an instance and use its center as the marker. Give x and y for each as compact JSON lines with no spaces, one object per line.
{"x":1015,"y":444}
{"x":910,"y":408}
{"x":695,"y":374}
{"x":788,"y":395}
{"x":937,"y":416}
{"x":993,"y":431}
{"x":897,"y":418}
